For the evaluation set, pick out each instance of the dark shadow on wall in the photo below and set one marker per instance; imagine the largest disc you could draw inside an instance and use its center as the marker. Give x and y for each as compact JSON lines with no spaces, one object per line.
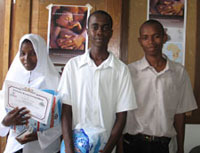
{"x":195,"y":118}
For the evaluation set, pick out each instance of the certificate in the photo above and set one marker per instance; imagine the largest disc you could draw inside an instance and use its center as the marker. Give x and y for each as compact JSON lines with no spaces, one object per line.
{"x":36,"y":101}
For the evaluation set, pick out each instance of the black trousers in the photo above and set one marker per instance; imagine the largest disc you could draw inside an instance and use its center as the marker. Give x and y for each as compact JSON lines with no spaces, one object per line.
{"x":136,"y":145}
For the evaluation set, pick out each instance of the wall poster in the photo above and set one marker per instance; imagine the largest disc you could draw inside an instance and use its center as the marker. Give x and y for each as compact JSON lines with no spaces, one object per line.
{"x":172,"y":14}
{"x":67,"y":36}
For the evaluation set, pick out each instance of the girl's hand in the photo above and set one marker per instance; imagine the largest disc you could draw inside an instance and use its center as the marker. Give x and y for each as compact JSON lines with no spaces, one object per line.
{"x":17,"y":117}
{"x":28,"y":138}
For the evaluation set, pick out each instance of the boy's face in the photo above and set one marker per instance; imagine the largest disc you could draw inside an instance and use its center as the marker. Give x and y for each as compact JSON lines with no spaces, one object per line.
{"x":99,"y":30}
{"x":28,"y":56}
{"x":152,"y":39}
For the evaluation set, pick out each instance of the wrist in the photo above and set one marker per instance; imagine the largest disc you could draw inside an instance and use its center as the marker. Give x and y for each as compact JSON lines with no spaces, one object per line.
{"x":4,"y":123}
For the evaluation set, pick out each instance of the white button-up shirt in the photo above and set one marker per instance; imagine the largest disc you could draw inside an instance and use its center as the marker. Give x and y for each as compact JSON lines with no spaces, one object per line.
{"x":97,"y":93}
{"x":159,"y":95}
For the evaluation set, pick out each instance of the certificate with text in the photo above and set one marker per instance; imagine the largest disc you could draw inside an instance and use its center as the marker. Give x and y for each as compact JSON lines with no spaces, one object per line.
{"x":36,"y":101}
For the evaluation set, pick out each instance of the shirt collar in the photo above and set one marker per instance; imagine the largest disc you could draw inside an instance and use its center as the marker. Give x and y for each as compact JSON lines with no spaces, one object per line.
{"x":86,"y":60}
{"x":145,"y":64}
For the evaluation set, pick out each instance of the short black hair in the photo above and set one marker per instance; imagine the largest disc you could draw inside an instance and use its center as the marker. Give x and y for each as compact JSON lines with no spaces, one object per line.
{"x":153,"y":22}
{"x":103,"y":13}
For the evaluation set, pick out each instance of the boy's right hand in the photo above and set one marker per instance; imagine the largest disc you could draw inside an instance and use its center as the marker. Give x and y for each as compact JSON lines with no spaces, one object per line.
{"x":17,"y":117}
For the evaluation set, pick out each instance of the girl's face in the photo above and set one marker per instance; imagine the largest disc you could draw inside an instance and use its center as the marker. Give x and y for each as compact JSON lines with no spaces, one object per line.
{"x":28,"y":56}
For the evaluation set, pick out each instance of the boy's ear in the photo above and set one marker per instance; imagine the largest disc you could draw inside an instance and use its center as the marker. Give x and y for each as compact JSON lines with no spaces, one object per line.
{"x":165,"y":37}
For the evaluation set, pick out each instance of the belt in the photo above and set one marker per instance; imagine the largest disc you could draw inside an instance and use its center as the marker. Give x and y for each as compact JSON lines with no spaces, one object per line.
{"x":148,"y":138}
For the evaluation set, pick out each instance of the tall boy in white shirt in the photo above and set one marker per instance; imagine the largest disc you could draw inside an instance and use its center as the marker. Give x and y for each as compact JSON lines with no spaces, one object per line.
{"x":96,"y":87}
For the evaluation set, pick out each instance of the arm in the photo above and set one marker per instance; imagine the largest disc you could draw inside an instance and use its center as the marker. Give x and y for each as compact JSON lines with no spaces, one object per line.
{"x":66,"y":121}
{"x":28,"y":138}
{"x":3,"y":129}
{"x":19,"y":117}
{"x":116,"y":132}
{"x":120,"y":148}
{"x":15,"y":117}
{"x":45,"y":138}
{"x":179,"y":124}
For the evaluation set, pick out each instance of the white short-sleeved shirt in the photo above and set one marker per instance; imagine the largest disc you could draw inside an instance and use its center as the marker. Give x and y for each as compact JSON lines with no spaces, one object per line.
{"x":159,"y":95}
{"x":96,"y":93}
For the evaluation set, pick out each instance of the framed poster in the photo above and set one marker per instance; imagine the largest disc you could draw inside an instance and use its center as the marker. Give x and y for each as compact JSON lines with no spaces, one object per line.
{"x":67,"y":36}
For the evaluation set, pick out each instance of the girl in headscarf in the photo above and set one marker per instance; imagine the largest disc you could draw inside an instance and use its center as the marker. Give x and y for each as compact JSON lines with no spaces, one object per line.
{"x":33,"y":68}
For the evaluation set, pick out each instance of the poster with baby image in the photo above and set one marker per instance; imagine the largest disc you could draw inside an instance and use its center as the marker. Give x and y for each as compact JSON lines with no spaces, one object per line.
{"x":67,"y":36}
{"x":172,"y":15}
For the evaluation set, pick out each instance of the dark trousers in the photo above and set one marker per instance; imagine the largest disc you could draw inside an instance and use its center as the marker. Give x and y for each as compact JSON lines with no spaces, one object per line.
{"x":138,"y":145}
{"x":21,"y":151}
